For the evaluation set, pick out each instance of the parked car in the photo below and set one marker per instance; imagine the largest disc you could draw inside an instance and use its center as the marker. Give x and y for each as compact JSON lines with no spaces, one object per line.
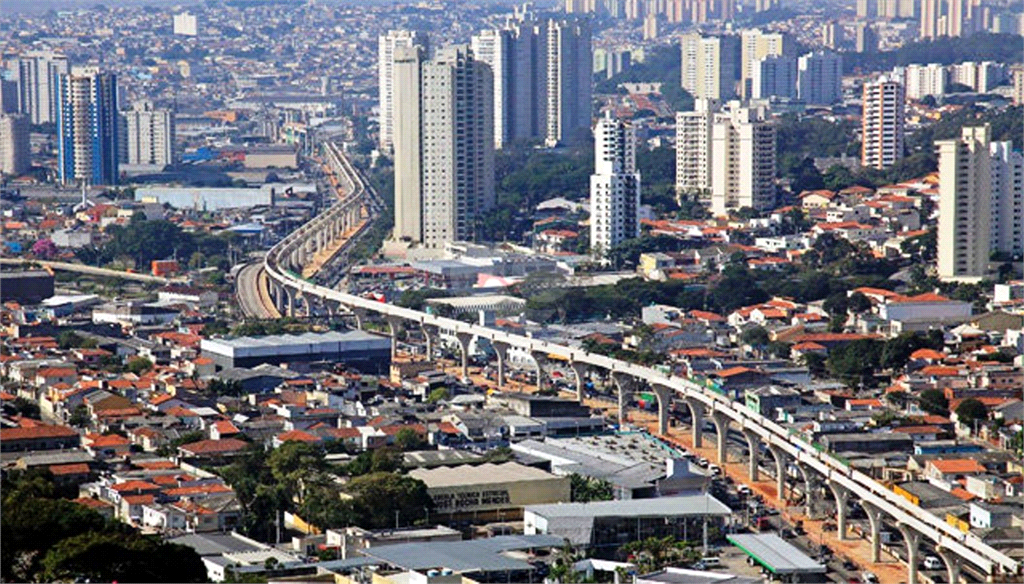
{"x":933,"y":563}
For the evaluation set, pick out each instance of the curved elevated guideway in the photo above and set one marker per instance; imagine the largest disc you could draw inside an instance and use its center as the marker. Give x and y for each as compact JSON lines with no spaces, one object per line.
{"x":287,"y":259}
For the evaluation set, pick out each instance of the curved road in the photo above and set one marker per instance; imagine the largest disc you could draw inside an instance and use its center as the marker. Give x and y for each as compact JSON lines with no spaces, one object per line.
{"x":251,"y":292}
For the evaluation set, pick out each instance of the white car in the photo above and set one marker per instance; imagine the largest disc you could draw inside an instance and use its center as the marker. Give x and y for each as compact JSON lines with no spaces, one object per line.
{"x":933,"y":563}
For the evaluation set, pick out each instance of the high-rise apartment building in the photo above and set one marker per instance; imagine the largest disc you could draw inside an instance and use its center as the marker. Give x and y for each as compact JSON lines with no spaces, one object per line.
{"x":569,"y":81}
{"x":386,"y":45}
{"x":922,"y":80}
{"x":866,"y":39}
{"x":965,"y":205}
{"x":831,"y":35}
{"x":444,"y":145}
{"x":742,"y":161}
{"x":614,"y":186}
{"x":15,"y":156}
{"x":820,"y":77}
{"x":408,"y":128}
{"x":87,"y":127}
{"x":774,"y":76}
{"x":756,"y":45}
{"x":1007,"y":223}
{"x":952,"y":18}
{"x":710,"y":65}
{"x":37,"y":91}
{"x":517,"y":55}
{"x":185,"y":24}
{"x":1018,"y":86}
{"x":149,"y":135}
{"x":693,"y":151}
{"x":883,"y":123}
{"x":726,"y":159}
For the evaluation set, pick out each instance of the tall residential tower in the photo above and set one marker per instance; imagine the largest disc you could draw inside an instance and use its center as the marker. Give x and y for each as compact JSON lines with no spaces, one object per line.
{"x":87,"y":127}
{"x":614,"y":186}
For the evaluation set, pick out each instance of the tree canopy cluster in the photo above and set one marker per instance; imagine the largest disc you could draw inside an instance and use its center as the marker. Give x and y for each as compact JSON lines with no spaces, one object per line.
{"x":142,"y":241}
{"x":49,"y":539}
{"x":1002,"y":48}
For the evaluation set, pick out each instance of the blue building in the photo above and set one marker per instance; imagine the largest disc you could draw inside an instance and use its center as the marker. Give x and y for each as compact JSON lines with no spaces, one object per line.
{"x":87,"y":134}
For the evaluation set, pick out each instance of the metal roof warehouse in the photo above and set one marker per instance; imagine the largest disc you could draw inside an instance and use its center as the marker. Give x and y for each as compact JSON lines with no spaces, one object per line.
{"x":776,"y":554}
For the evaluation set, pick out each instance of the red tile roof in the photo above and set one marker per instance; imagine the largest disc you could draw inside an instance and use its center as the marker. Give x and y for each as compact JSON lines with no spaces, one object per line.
{"x":69,"y":469}
{"x":36,"y":432}
{"x":214,"y":446}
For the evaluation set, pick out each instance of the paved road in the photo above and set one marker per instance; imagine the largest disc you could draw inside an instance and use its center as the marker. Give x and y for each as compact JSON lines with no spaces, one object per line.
{"x":251,"y":291}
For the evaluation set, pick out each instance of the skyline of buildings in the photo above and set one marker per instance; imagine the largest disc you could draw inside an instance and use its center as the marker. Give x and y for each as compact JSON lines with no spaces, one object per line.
{"x":38,"y":95}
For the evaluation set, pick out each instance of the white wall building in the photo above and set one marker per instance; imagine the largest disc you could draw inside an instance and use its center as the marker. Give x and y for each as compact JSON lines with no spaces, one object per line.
{"x":15,"y":155}
{"x":37,"y":90}
{"x":756,"y":45}
{"x":883,"y":123}
{"x":150,"y":135}
{"x":742,"y":161}
{"x":569,"y":81}
{"x":965,"y":199}
{"x":710,"y":65}
{"x":922,"y":80}
{"x":614,"y":186}
{"x":386,"y":45}
{"x":185,"y":24}
{"x":444,"y":158}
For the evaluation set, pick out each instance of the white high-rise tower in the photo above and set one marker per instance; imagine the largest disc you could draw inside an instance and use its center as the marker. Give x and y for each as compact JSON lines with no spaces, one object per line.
{"x":614,"y":186}
{"x":385,"y":57}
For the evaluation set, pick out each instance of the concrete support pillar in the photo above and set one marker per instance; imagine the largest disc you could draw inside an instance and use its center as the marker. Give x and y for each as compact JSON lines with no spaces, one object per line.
{"x":501,"y":352}
{"x":579,"y":370}
{"x":429,"y":340}
{"x":912,"y":539}
{"x":754,"y":448}
{"x":464,"y":339}
{"x":842,"y":495}
{"x":664,"y":396}
{"x":697,"y":421}
{"x":875,"y":520}
{"x":539,"y":357}
{"x":624,"y":385}
{"x":952,"y":562}
{"x":721,"y":422}
{"x":360,"y":315}
{"x":780,"y":472}
{"x":279,"y":298}
{"x":289,"y":309}
{"x":811,"y":485}
{"x":393,"y":325}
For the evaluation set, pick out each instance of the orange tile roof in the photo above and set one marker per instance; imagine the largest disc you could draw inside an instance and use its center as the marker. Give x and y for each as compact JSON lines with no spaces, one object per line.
{"x":930,"y":354}
{"x":957,"y":466}
{"x":36,"y":431}
{"x":297,"y":436}
{"x":134,"y":486}
{"x":214,"y":446}
{"x":69,"y":469}
{"x":91,"y":503}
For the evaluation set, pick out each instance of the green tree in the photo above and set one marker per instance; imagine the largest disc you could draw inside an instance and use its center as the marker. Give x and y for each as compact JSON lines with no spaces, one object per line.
{"x":139,"y":365}
{"x":293,"y":463}
{"x":324,"y":507}
{"x":755,"y":337}
{"x":855,"y":363}
{"x":32,"y":525}
{"x":586,"y":489}
{"x":378,"y":498}
{"x":971,"y":411}
{"x":408,"y":439}
{"x":438,"y":394}
{"x":106,"y":557}
{"x":375,"y":461}
{"x":934,"y":401}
